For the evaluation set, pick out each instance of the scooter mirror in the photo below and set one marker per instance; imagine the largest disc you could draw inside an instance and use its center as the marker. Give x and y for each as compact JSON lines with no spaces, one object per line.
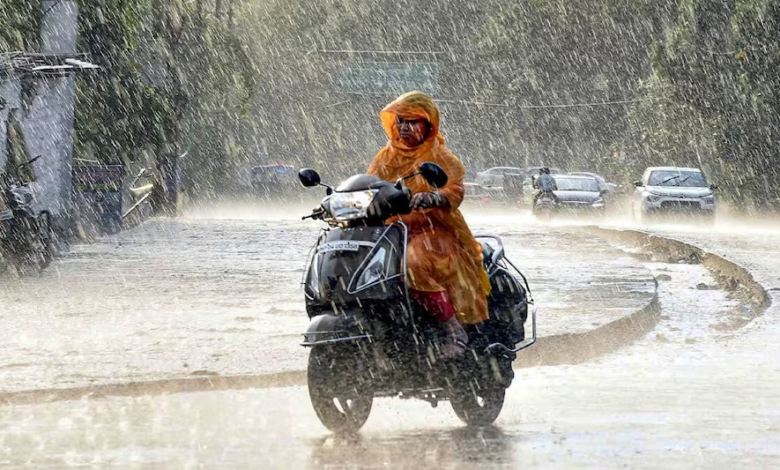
{"x":434,"y":174}
{"x":308,"y":177}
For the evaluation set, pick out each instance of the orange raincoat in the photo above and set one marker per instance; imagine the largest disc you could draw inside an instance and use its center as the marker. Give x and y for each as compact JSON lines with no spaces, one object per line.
{"x":443,"y":255}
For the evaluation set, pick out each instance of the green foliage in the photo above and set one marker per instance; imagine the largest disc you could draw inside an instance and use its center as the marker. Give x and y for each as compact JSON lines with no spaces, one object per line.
{"x":118,"y":113}
{"x":552,"y":52}
{"x":19,"y":25}
{"x":171,"y":69}
{"x":718,"y":70}
{"x":516,"y":53}
{"x":700,"y":75}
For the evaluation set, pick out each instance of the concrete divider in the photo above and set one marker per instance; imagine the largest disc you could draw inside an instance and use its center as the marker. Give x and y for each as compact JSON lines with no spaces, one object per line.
{"x":576,"y":348}
{"x":731,"y":277}
{"x":581,"y":347}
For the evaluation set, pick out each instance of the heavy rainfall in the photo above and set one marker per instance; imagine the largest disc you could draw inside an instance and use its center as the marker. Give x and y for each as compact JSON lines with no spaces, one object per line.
{"x":231,"y":234}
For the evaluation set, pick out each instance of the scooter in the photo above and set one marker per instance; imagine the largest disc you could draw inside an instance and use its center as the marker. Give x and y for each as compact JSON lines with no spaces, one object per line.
{"x":368,"y":337}
{"x":25,"y":233}
{"x":140,"y":197}
{"x":545,"y":206}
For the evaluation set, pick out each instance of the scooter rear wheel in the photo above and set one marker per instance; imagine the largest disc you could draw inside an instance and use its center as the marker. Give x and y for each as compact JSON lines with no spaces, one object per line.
{"x":341,"y":403}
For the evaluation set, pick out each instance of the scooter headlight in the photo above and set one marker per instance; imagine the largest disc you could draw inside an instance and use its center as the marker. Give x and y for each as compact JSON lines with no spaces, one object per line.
{"x":352,"y":205}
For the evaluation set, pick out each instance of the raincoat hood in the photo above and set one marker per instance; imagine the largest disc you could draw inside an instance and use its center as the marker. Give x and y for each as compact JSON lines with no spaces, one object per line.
{"x":442,"y":250}
{"x":412,"y":105}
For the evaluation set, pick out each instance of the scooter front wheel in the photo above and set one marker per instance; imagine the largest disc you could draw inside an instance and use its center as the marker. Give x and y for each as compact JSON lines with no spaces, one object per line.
{"x":479,"y":407}
{"x":340,"y":401}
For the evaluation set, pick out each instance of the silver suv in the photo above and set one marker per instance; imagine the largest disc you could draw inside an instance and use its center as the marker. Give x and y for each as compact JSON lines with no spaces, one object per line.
{"x":673,"y":190}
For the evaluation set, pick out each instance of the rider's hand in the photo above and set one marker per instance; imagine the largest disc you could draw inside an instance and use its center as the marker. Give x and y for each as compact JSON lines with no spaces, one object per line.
{"x":428,"y":201}
{"x":374,"y":208}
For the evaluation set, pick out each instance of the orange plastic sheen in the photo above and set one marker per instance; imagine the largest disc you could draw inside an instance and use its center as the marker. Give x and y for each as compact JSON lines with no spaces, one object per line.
{"x":443,"y":254}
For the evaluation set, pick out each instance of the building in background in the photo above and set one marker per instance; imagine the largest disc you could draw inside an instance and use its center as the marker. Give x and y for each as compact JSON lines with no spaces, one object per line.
{"x":37,"y":91}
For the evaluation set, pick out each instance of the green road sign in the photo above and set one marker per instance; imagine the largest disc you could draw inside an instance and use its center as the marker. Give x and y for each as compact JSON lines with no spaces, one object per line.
{"x":387,"y":78}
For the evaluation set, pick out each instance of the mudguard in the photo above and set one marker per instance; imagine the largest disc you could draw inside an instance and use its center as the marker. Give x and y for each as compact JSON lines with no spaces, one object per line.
{"x":327,"y":328}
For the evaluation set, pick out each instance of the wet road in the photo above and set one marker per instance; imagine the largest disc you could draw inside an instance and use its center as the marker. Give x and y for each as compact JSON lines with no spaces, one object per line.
{"x":679,"y":397}
{"x":685,"y":395}
{"x":199,"y":297}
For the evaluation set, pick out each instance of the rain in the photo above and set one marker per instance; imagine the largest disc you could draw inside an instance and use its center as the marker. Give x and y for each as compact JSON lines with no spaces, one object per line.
{"x":411,"y":234}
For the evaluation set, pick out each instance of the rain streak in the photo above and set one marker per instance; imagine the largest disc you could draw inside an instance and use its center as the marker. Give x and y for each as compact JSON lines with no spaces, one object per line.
{"x":415,"y":234}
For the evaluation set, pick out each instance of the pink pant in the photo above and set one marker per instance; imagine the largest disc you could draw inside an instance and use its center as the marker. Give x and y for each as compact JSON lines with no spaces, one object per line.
{"x":436,"y":303}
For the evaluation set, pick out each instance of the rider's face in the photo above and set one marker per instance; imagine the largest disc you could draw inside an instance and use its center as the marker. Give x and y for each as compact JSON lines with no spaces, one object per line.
{"x":411,"y":131}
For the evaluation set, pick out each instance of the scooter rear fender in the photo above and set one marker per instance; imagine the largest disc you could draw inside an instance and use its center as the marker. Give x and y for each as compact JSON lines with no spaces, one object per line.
{"x":327,"y":328}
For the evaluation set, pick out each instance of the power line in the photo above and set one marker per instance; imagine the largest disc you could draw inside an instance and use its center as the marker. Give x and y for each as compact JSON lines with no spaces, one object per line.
{"x":520,"y":106}
{"x":333,"y":105}
{"x":350,"y":51}
{"x":589,"y":105}
{"x":476,"y":103}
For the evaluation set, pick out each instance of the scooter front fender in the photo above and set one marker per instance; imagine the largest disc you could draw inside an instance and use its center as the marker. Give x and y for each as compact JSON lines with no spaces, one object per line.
{"x":327,"y":328}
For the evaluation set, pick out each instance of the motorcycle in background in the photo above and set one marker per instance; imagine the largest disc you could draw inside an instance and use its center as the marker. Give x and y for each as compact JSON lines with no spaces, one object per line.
{"x":141,"y":198}
{"x":545,"y":206}
{"x":25,"y":233}
{"x":160,"y":195}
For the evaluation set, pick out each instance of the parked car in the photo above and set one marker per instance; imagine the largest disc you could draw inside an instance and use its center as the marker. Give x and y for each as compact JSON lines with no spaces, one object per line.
{"x":274,"y":179}
{"x":579,"y":195}
{"x":475,"y":194}
{"x":673,"y":190}
{"x":494,"y":177}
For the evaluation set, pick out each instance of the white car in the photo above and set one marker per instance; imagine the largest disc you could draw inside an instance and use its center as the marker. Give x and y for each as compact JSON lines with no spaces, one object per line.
{"x":494,"y":177}
{"x":665,"y":190}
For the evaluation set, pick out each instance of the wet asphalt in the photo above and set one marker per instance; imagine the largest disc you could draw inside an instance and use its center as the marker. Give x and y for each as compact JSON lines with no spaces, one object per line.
{"x":200,"y":297}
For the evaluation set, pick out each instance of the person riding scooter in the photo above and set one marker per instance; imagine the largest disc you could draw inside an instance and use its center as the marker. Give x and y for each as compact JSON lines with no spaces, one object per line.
{"x":446,"y":273}
{"x":545,"y":183}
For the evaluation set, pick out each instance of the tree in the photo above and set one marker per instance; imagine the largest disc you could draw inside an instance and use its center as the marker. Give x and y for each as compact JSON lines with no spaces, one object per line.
{"x":717,"y":70}
{"x":171,"y":69}
{"x":19,"y":25}
{"x":553,"y":52}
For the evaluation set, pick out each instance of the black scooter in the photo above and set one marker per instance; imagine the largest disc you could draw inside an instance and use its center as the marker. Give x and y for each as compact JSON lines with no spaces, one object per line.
{"x":25,"y":233}
{"x":369,"y":338}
